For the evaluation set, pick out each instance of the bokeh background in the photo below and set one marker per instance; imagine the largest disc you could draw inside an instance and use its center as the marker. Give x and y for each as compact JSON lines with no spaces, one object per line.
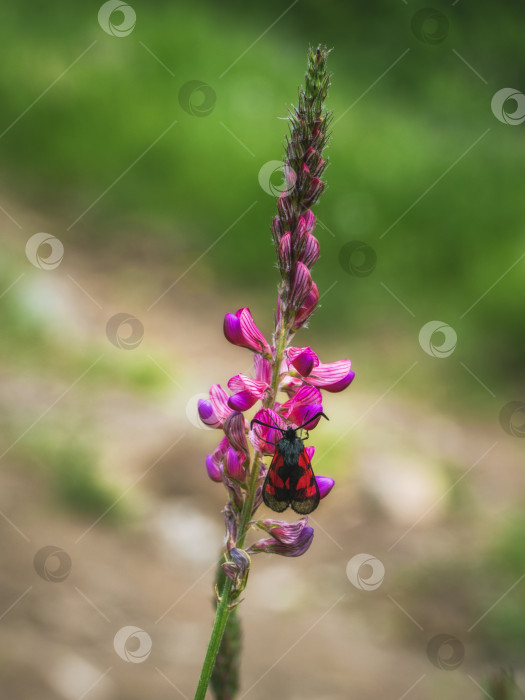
{"x":136,"y":138}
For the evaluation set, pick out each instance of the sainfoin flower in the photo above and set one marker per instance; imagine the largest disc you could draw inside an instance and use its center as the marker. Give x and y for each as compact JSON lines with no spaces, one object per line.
{"x":260,"y":412}
{"x":278,"y":366}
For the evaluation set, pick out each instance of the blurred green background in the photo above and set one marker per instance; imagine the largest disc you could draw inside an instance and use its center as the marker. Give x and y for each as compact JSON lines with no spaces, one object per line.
{"x":421,"y":172}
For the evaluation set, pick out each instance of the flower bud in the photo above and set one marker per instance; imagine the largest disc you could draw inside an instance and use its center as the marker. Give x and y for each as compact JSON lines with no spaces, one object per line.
{"x":284,"y":207}
{"x":285,"y":252}
{"x":307,"y":308}
{"x":233,"y":465}
{"x":316,"y":189}
{"x":235,"y":431}
{"x":301,"y":285}
{"x":310,"y":251}
{"x":237,"y":569}
{"x":277,"y":230}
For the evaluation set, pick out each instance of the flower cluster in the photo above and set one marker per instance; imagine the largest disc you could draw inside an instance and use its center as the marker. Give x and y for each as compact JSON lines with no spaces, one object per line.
{"x":285,"y":388}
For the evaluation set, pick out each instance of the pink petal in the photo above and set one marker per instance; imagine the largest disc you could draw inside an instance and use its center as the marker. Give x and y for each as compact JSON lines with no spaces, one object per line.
{"x":241,"y":382}
{"x":219,"y":402}
{"x":306,"y":395}
{"x":233,"y":465}
{"x":325,"y":485}
{"x":333,"y":376}
{"x":213,"y":461}
{"x":263,"y":438}
{"x":242,"y":401}
{"x":240,"y":329}
{"x":263,"y":369}
{"x":301,"y":413}
{"x":303,"y":359}
{"x":252,"y":333}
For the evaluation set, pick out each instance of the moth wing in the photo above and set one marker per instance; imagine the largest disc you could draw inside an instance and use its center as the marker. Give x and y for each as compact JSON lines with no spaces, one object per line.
{"x":305,"y":498}
{"x":276,"y":494}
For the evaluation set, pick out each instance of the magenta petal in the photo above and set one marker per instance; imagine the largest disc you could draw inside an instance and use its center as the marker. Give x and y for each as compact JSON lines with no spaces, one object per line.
{"x":342,"y":383}
{"x":213,"y":470}
{"x":300,"y":414}
{"x":233,"y":466}
{"x":301,"y":285}
{"x":303,"y":359}
{"x":232,"y":329}
{"x":240,"y":329}
{"x":254,"y":337}
{"x":325,"y":485}
{"x":242,"y":401}
{"x":207,"y":414}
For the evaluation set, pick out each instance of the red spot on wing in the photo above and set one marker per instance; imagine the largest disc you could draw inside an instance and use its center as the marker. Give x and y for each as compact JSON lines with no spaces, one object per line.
{"x":304,"y":461}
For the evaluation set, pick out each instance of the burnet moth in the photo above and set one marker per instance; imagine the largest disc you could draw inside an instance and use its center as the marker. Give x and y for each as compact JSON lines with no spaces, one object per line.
{"x":290,"y":480}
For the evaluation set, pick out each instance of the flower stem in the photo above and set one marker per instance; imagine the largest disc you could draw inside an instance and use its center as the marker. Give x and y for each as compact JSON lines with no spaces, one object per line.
{"x":224,"y":607}
{"x":221,"y":618}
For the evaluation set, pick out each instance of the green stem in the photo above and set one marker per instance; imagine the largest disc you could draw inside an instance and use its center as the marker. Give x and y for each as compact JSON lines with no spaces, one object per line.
{"x":223,"y":608}
{"x":221,"y":618}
